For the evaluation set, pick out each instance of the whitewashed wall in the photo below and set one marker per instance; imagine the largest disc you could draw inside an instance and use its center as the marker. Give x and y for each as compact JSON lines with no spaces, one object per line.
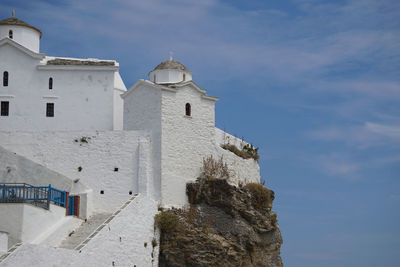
{"x":17,"y":169}
{"x":222,"y":137}
{"x":127,"y":241}
{"x":142,"y":111}
{"x":3,"y":242}
{"x":122,"y":242}
{"x":241,"y":170}
{"x":185,"y":141}
{"x":119,"y":89}
{"x":24,"y":222}
{"x":182,"y":142}
{"x":169,"y":76}
{"x":25,"y":36}
{"x":83,"y":96}
{"x":64,"y":152}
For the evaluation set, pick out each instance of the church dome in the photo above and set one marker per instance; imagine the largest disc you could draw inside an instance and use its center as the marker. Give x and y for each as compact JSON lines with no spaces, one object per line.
{"x":169,"y":72}
{"x":171,"y":65}
{"x":13,"y":21}
{"x":21,"y":32}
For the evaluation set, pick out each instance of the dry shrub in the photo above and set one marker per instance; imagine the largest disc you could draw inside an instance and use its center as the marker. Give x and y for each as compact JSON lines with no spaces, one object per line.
{"x":191,"y":214}
{"x":247,"y":152}
{"x":214,"y":169}
{"x":261,"y":197}
{"x":166,"y":221}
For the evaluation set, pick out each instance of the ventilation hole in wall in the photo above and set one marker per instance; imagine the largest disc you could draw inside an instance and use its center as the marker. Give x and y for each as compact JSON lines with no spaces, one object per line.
{"x":101,"y":192}
{"x":115,"y":169}
{"x":130,"y":192}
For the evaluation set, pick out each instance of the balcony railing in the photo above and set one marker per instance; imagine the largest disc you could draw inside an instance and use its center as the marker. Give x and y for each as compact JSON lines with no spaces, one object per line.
{"x":40,"y":196}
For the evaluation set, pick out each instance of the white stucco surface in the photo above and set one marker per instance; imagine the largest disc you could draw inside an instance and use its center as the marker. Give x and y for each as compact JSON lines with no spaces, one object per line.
{"x":3,"y":242}
{"x":222,"y":137}
{"x":142,"y":111}
{"x":185,"y":141}
{"x":57,"y":232}
{"x":25,"y":36}
{"x":121,"y":242}
{"x":169,"y":76}
{"x":18,"y":169}
{"x":98,"y":156}
{"x":84,"y":97}
{"x":24,"y":222}
{"x":179,"y":142}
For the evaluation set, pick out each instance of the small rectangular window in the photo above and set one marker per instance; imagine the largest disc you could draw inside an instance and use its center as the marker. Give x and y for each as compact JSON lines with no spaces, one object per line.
{"x":50,"y":110}
{"x":5,"y":106}
{"x":5,"y":78}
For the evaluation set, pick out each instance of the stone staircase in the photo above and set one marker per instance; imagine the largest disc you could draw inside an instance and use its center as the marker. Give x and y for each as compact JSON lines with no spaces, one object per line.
{"x":11,"y":250}
{"x":109,"y":219}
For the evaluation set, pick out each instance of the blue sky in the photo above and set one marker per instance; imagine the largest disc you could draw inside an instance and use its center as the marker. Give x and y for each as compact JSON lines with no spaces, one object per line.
{"x":314,"y":84}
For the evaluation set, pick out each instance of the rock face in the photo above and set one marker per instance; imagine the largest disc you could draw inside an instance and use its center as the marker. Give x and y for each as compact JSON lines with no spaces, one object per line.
{"x":222,"y":227}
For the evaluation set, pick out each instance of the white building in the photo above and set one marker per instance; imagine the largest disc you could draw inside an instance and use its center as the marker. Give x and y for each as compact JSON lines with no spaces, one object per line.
{"x":42,"y":93}
{"x":59,"y":117}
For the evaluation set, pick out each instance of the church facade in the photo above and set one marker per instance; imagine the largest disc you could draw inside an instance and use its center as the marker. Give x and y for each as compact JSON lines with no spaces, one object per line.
{"x":73,"y":124}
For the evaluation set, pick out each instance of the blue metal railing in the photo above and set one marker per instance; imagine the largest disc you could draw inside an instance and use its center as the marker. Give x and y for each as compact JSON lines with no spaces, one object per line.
{"x":58,"y":197}
{"x":40,"y":196}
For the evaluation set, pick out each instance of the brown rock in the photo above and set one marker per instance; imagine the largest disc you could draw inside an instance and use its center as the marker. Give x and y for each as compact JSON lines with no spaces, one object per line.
{"x":221,"y":228}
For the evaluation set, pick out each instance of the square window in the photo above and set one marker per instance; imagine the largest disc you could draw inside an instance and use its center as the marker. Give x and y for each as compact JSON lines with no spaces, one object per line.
{"x":50,"y":110}
{"x":5,"y":107}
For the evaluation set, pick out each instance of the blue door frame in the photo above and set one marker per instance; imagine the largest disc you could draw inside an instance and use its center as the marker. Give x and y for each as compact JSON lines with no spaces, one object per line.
{"x":70,"y":205}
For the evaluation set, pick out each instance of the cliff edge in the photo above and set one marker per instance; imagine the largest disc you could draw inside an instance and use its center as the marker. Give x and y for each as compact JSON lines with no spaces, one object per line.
{"x":223,"y":226}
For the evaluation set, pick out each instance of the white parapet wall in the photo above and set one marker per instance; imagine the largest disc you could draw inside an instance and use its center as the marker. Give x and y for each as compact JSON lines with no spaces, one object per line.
{"x":17,"y":169}
{"x":3,"y":242}
{"x":108,"y":163}
{"x":222,"y":138}
{"x":24,"y":222}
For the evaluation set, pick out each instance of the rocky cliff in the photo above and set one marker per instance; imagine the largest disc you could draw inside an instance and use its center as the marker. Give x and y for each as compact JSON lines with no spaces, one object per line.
{"x":223,"y":226}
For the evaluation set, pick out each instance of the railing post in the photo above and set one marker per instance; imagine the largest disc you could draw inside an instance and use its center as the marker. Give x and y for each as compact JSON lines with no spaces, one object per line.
{"x":65,"y":198}
{"x":66,"y":203}
{"x":48,"y":197}
{"x":49,"y":192}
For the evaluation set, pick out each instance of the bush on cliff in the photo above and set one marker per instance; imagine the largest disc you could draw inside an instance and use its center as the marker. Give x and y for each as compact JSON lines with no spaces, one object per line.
{"x":247,"y":152}
{"x":261,"y":197}
{"x":166,"y":221}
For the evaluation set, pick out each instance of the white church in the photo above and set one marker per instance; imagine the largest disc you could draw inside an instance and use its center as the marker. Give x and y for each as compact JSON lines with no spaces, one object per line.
{"x":85,"y":163}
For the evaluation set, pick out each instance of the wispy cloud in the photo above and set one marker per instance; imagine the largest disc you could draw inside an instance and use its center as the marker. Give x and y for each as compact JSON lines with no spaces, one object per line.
{"x":338,"y":165}
{"x":362,"y":136}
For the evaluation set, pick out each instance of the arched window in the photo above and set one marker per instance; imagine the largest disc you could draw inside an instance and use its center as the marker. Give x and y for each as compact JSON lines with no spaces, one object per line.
{"x":10,"y":34}
{"x":184,"y":77}
{"x":155,"y":77}
{"x":188,"y":109}
{"x":50,"y":83}
{"x":5,"y":78}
